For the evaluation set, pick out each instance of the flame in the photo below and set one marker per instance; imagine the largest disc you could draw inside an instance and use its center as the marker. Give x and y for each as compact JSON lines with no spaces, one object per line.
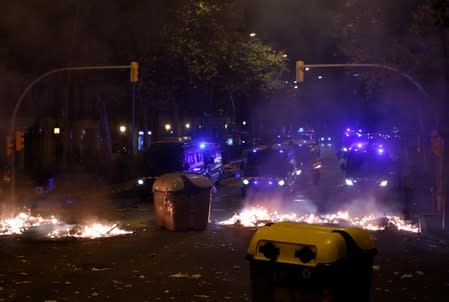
{"x":258,"y":216}
{"x":52,"y":227}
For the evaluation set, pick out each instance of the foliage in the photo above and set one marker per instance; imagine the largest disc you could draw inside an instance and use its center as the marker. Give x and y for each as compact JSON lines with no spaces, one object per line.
{"x":371,"y":33}
{"x":214,"y":49}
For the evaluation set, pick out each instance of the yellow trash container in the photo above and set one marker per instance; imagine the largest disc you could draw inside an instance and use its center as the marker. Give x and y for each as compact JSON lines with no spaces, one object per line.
{"x":295,"y":262}
{"x":182,"y":201}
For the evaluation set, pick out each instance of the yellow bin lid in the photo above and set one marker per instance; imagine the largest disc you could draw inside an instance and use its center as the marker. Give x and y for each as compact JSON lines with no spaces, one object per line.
{"x":306,"y":244}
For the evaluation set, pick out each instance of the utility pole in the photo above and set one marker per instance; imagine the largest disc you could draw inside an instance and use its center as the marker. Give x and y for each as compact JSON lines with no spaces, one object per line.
{"x":444,"y":168}
{"x":134,"y":78}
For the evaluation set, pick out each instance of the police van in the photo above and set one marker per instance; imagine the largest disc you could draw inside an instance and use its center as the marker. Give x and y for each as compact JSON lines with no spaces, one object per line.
{"x":180,"y":155}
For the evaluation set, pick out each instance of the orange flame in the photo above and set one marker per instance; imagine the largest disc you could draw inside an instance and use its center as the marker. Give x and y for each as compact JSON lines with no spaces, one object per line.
{"x":259,"y":216}
{"x":24,"y":222}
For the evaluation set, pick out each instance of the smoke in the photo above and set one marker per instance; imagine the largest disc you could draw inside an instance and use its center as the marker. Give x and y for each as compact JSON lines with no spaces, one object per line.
{"x":278,"y":202}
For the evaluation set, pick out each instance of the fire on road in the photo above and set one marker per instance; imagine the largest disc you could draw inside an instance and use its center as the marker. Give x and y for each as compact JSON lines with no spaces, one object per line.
{"x":52,"y":227}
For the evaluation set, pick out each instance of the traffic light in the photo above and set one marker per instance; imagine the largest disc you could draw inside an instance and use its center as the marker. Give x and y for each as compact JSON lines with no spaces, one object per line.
{"x":9,"y":145}
{"x":20,"y":140}
{"x":299,"y":71}
{"x":134,"y":72}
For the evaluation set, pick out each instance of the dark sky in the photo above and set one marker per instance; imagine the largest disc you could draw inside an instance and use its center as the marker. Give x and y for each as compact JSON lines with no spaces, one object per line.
{"x":304,"y":29}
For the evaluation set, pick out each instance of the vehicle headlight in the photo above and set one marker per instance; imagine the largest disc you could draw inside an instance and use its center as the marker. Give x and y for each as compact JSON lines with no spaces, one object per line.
{"x":140,"y":182}
{"x":383,"y":183}
{"x":349,"y":182}
{"x":246,"y":182}
{"x":298,"y":172}
{"x":281,"y":182}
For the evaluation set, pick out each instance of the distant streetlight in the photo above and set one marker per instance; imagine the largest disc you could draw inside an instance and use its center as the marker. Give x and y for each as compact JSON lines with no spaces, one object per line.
{"x":252,"y":35}
{"x":167,"y":127}
{"x":226,"y":126}
{"x":56,"y":130}
{"x":122,"y":129}
{"x":320,"y":77}
{"x":244,"y":123}
{"x":284,"y":55}
{"x":187,"y":126}
{"x":296,"y":86}
{"x":307,"y":68}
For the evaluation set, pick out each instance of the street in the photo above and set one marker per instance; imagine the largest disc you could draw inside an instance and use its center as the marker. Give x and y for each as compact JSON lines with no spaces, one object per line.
{"x":159,"y":265}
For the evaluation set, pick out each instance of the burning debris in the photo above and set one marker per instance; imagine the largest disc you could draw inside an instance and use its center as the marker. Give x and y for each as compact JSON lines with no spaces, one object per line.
{"x":259,"y":216}
{"x":52,"y":227}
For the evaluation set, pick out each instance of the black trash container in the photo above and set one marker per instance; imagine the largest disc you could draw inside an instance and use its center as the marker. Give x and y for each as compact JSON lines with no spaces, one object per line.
{"x":182,"y":201}
{"x":297,"y":262}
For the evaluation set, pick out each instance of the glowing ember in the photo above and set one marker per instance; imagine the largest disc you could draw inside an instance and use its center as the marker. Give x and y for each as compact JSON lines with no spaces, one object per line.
{"x":259,"y":216}
{"x":54,"y":228}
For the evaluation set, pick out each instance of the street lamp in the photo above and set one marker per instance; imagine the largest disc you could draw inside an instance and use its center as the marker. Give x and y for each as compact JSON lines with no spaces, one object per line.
{"x":187,"y":126}
{"x":56,"y":130}
{"x":252,"y":35}
{"x":167,"y":127}
{"x":244,"y":123}
{"x":122,"y":129}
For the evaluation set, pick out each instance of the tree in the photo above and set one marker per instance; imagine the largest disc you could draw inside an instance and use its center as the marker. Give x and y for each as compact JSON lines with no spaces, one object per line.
{"x":370,"y":33}
{"x":215,"y":54}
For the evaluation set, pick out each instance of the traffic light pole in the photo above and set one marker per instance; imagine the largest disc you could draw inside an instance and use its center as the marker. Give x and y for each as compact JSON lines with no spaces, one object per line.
{"x":22,"y":97}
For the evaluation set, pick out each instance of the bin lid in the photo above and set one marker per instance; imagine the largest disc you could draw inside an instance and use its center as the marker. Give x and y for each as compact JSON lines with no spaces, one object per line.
{"x":305,"y":244}
{"x":173,"y":182}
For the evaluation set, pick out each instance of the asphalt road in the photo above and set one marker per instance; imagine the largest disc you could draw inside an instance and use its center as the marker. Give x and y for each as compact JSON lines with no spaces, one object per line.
{"x":159,"y":265}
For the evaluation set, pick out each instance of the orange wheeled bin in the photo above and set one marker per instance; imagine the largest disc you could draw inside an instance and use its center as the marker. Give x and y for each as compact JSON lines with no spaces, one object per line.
{"x":182,"y":201}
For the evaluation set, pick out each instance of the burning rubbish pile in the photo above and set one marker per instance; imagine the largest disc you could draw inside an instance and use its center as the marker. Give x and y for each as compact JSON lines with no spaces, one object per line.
{"x":52,"y":227}
{"x":258,"y":216}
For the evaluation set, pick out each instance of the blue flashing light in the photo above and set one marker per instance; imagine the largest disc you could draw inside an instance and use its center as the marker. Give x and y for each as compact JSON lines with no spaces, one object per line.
{"x":270,"y":182}
{"x":281,"y":151}
{"x":383,"y":183}
{"x":360,"y":145}
{"x":380,"y":151}
{"x":345,"y":149}
{"x":301,"y":129}
{"x":238,"y":175}
{"x":255,"y":182}
{"x":254,"y":150}
{"x":202,"y":145}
